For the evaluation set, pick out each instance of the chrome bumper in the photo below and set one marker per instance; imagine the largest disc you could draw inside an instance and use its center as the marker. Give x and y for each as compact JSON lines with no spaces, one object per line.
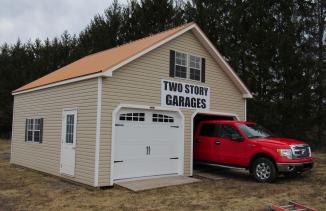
{"x":294,"y":167}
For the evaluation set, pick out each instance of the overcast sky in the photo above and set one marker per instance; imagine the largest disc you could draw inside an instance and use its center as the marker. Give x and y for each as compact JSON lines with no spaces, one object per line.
{"x":30,"y":19}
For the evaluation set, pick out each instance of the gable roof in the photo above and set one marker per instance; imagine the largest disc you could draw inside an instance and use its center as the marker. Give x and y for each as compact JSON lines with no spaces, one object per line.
{"x":105,"y":62}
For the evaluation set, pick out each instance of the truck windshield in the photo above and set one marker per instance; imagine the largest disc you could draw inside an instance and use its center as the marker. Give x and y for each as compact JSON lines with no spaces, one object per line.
{"x":255,"y":131}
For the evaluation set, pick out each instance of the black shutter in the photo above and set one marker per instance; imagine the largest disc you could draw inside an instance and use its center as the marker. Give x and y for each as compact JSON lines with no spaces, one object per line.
{"x":203,"y":70}
{"x":172,"y":63}
{"x":41,"y":130}
{"x":26,"y":129}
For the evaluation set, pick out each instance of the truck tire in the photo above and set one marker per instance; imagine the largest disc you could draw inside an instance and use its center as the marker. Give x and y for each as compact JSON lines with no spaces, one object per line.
{"x":264,"y":170}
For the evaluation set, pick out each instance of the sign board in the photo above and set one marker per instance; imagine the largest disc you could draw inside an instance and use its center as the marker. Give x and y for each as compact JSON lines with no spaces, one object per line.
{"x":184,"y":95}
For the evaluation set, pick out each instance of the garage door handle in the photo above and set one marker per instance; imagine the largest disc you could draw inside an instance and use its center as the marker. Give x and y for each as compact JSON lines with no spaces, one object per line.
{"x":118,"y":161}
{"x":217,"y":142}
{"x":175,"y":158}
{"x":175,"y":126}
{"x":119,"y":124}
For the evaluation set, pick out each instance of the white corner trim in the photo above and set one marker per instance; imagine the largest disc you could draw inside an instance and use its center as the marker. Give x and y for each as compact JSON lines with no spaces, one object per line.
{"x":114,"y":117}
{"x":61,"y":83}
{"x":109,"y":71}
{"x":192,"y":131}
{"x":98,"y":131}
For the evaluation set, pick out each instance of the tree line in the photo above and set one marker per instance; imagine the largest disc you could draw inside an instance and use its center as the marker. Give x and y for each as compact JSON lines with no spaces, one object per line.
{"x":276,"y":47}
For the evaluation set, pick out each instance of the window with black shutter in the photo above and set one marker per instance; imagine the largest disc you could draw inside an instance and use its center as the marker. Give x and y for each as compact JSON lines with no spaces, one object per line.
{"x":187,"y":66}
{"x":180,"y":65}
{"x":195,"y":67}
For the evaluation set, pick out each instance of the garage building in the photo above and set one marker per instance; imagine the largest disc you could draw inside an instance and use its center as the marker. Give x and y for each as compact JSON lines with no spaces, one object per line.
{"x":126,"y":112}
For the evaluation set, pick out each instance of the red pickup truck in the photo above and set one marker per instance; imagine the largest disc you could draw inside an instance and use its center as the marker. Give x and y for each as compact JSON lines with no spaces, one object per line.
{"x":247,"y":145}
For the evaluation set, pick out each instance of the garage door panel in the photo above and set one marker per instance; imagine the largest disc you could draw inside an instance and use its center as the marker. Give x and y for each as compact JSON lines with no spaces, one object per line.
{"x":138,"y":151}
{"x":148,"y":147}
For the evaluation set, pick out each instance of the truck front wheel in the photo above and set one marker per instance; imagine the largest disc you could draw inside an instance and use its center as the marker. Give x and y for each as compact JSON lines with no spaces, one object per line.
{"x":264,"y":170}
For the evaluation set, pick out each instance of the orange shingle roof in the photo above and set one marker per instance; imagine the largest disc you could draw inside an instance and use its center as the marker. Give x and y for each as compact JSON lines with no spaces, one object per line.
{"x":101,"y":61}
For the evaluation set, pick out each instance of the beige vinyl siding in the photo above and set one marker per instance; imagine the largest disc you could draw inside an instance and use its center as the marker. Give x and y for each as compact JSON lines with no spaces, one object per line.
{"x":49,"y":104}
{"x":139,"y":82}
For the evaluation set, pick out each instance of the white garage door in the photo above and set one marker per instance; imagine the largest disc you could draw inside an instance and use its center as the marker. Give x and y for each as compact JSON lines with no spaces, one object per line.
{"x":147,"y":143}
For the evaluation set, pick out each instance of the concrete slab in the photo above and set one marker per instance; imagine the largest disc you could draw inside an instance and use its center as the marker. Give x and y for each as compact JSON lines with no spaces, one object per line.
{"x":147,"y":184}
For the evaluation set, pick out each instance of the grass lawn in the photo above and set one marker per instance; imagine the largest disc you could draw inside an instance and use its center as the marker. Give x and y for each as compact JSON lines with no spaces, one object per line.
{"x":23,"y":189}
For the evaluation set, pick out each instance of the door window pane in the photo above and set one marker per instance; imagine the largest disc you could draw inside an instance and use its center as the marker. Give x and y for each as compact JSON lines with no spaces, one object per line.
{"x":209,"y":130}
{"x":227,"y":131}
{"x":70,"y":128}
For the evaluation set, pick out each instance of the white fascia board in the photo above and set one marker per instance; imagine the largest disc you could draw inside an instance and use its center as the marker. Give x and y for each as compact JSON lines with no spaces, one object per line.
{"x":109,"y":71}
{"x":61,"y":83}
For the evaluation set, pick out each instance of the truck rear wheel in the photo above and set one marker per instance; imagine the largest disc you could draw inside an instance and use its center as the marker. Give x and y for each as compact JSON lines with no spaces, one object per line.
{"x":264,"y":170}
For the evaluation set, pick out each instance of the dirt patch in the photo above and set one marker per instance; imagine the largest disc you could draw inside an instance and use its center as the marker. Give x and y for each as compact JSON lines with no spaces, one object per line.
{"x":5,"y":156}
{"x":24,"y":189}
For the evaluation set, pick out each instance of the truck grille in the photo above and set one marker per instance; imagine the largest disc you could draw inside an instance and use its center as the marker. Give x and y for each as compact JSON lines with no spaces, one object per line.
{"x":301,"y":151}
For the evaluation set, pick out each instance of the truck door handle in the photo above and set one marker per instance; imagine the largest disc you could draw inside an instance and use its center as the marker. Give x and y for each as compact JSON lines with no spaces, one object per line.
{"x":217,"y":142}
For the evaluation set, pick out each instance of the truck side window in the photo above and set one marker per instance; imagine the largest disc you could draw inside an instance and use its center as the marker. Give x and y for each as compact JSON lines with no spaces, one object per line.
{"x":226,"y":131}
{"x":209,"y":130}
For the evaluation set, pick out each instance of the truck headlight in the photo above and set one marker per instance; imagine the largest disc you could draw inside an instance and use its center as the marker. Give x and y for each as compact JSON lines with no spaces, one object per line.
{"x":285,"y":153}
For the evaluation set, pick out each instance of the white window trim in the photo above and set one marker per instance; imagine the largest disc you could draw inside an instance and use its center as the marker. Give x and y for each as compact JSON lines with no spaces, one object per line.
{"x":33,"y":130}
{"x":187,"y":66}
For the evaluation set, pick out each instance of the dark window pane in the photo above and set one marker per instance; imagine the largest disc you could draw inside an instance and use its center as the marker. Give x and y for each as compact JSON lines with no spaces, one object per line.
{"x":227,"y":131}
{"x":180,"y":71}
{"x":30,"y":136}
{"x":209,"y":130}
{"x":194,"y":74}
{"x":36,"y":136}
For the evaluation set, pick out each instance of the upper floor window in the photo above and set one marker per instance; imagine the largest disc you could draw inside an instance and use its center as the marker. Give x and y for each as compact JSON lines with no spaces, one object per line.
{"x":195,"y":67}
{"x":180,"y":65}
{"x":187,"y":66}
{"x":34,"y":130}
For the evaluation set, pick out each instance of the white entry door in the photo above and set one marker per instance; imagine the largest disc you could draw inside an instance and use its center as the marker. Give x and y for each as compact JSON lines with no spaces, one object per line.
{"x":147,"y":143}
{"x":68,"y":142}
